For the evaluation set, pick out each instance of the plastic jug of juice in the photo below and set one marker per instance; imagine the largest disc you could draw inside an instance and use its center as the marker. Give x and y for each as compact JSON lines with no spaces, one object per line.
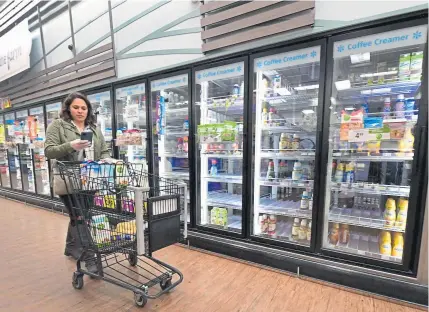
{"x":390,"y":213}
{"x":385,"y":243}
{"x":401,"y":217}
{"x":398,"y":245}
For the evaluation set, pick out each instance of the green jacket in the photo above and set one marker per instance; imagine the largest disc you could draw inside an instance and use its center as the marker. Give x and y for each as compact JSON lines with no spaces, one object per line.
{"x":59,"y":135}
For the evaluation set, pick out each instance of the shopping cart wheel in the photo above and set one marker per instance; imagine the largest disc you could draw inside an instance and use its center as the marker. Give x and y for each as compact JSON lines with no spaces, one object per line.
{"x":132,"y":259}
{"x":77,"y":280}
{"x":165,"y":283}
{"x":140,"y":300}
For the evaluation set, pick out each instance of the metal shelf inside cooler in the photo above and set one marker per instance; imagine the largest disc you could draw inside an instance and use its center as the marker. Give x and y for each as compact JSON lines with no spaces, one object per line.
{"x":388,"y":89}
{"x":224,"y":200}
{"x":363,"y":218}
{"x":287,"y":183}
{"x":370,"y":188}
{"x":227,"y":178}
{"x":385,"y":157}
{"x":363,"y":245}
{"x":307,"y":154}
{"x":287,"y":208}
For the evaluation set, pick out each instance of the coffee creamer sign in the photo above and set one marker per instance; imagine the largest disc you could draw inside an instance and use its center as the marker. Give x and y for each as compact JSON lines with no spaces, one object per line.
{"x":15,"y":48}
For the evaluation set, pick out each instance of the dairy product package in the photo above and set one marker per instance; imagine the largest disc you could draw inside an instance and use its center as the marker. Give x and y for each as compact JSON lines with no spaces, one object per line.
{"x":416,"y":65}
{"x":404,"y":66}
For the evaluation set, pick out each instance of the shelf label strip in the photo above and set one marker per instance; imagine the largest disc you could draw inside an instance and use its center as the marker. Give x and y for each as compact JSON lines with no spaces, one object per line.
{"x":170,"y":82}
{"x":292,"y":58}
{"x":221,"y":72}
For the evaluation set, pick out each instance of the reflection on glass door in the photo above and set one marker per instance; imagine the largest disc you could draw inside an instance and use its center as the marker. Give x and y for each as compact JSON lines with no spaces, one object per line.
{"x":170,"y":106}
{"x":131,"y":127}
{"x":22,"y":132}
{"x":4,"y":165}
{"x":52,"y":112}
{"x":220,"y":110}
{"x":37,"y":136}
{"x":102,"y":106}
{"x":287,"y":96}
{"x":12,"y":140}
{"x":375,"y":104}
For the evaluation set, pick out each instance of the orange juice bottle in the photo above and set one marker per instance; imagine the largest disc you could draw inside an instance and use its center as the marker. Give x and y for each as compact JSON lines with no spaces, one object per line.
{"x":398,"y":245}
{"x":390,"y":213}
{"x":385,"y":243}
{"x":401,"y":217}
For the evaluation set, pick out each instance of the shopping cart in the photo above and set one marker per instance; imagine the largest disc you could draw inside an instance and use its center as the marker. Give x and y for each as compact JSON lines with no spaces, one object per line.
{"x":123,"y":214}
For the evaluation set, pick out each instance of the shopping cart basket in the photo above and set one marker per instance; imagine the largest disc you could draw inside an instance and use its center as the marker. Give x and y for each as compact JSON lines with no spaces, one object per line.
{"x":123,"y":214}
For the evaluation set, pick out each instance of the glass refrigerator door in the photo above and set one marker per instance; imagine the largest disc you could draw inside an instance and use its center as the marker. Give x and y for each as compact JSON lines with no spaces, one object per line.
{"x":375,"y":104}
{"x":285,"y":118}
{"x":37,"y":136}
{"x":22,"y":124}
{"x":102,"y":106}
{"x":131,"y":128}
{"x":220,"y":110}
{"x":170,"y":107}
{"x":52,"y":113}
{"x":4,"y":165}
{"x":12,"y":139}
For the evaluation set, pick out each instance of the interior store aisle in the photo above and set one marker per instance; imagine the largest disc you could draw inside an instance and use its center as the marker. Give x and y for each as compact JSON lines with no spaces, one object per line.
{"x":35,"y":276}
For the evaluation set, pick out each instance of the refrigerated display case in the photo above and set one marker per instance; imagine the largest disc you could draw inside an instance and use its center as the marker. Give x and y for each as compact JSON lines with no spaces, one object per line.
{"x":170,"y":121}
{"x":22,"y":127}
{"x":131,"y":127}
{"x":102,"y":106}
{"x":375,"y":115}
{"x":37,"y":136}
{"x":12,"y":140}
{"x":220,"y":97}
{"x":52,"y":112}
{"x":287,"y":109}
{"x":4,"y":164}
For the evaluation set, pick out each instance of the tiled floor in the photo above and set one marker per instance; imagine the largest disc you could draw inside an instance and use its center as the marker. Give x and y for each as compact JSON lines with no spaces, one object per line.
{"x":35,"y":276}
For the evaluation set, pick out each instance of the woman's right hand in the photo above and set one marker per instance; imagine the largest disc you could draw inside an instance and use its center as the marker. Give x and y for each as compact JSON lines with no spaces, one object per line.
{"x":79,"y":144}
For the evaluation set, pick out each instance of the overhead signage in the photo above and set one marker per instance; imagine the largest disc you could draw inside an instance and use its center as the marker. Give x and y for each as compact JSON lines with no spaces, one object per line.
{"x":171,"y":82}
{"x":382,"y":41}
{"x":131,"y":90}
{"x":97,"y":97}
{"x":53,"y":107}
{"x":221,"y":72}
{"x":15,"y":48}
{"x":287,"y":59}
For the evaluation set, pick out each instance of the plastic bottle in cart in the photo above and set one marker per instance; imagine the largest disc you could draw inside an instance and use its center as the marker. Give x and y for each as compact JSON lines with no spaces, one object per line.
{"x":400,"y":106}
{"x":387,"y":108}
{"x":270,"y":173}
{"x":213,"y":169}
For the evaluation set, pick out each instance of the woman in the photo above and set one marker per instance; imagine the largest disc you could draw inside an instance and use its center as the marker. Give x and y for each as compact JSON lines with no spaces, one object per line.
{"x":63,"y":143}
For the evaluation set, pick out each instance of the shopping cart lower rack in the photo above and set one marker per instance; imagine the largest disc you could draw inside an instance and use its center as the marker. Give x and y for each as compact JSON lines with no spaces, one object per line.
{"x":122,"y":215}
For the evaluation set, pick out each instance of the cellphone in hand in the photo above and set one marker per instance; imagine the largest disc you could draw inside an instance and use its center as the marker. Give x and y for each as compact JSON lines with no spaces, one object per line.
{"x":86,"y":135}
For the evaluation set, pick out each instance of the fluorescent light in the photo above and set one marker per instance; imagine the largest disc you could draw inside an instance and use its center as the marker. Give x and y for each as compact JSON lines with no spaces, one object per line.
{"x":393,"y":72}
{"x":310,"y":87}
{"x":359,"y":58}
{"x":342,"y":85}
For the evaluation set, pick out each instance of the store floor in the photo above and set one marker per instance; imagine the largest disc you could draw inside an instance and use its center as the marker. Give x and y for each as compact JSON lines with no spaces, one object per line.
{"x":35,"y":276}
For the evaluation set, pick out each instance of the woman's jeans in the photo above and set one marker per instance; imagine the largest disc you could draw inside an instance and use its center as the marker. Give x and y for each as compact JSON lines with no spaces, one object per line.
{"x":77,"y":233}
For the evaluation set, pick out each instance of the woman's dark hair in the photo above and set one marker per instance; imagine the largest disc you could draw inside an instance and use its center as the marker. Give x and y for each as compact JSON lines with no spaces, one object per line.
{"x":65,"y":110}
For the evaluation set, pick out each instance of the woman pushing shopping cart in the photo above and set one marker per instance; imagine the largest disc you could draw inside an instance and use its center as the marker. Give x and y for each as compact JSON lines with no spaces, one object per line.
{"x":122,"y":215}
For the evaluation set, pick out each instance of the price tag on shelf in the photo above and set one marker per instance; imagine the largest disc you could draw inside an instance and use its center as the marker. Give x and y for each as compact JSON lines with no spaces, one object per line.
{"x":360,"y":135}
